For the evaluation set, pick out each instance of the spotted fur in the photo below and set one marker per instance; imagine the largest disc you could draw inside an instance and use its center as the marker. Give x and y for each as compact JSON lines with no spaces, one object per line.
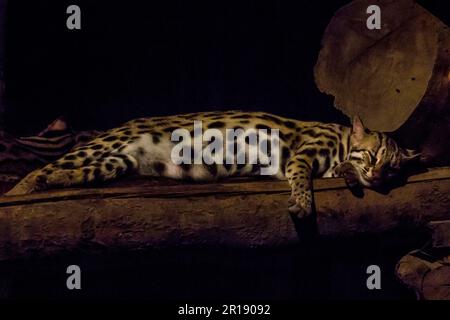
{"x":21,"y":155}
{"x":308,"y":149}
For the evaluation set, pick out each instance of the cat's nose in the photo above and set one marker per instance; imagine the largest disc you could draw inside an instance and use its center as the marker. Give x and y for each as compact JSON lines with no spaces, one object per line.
{"x":376,"y":175}
{"x":376,"y":178}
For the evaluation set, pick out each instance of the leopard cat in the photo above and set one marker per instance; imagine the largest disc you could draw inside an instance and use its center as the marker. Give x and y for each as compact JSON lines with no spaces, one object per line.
{"x":307,"y":150}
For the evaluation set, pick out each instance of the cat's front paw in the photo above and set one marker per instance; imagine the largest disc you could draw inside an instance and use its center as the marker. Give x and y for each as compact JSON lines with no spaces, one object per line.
{"x":300,"y":206}
{"x":347,"y":171}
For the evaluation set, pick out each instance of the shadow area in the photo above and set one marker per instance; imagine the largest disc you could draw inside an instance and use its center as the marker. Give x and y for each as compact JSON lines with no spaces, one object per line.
{"x":401,"y":178}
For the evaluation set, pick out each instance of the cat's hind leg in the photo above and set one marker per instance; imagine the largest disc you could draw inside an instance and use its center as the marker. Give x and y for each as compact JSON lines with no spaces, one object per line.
{"x":66,"y":174}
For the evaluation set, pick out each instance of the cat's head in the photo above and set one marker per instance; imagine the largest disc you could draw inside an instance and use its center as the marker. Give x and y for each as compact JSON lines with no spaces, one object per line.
{"x":376,"y":159}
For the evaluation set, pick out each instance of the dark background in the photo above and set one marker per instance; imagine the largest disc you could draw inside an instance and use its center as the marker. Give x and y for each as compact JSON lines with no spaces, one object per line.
{"x":139,"y":58}
{"x":318,"y":269}
{"x":136,"y":58}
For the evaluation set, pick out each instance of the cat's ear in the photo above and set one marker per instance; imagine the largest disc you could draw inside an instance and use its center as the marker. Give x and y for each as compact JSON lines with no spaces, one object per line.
{"x":408,"y":155}
{"x":358,"y":129}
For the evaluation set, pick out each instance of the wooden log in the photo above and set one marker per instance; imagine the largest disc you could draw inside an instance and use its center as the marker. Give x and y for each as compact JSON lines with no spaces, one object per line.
{"x":427,"y":275}
{"x":395,"y":78}
{"x":236,"y":213}
{"x":440,"y":231}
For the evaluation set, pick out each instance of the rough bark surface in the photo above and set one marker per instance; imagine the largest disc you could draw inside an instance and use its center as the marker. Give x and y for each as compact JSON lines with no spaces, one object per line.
{"x":237,"y":213}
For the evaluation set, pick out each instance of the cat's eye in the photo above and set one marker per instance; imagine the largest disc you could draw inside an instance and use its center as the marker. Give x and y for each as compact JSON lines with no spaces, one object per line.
{"x":372,"y":159}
